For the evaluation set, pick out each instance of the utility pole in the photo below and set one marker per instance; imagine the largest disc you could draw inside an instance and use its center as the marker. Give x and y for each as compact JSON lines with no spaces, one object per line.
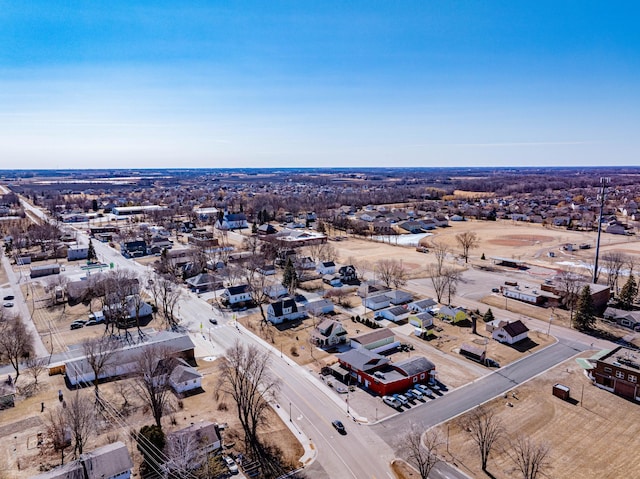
{"x":604,"y":181}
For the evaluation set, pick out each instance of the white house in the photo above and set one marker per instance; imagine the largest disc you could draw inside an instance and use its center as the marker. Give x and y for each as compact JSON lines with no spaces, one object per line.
{"x":319,"y":307}
{"x":75,"y":252}
{"x":511,"y":332}
{"x":376,"y":303}
{"x":376,"y":341}
{"x":184,"y":377}
{"x":329,"y":333}
{"x":232,"y":221}
{"x":398,"y":297}
{"x":134,"y":306}
{"x":236,"y":294}
{"x":283,"y":310}
{"x":205,"y":433}
{"x":395,"y":314}
{"x":107,"y":462}
{"x":423,"y":305}
{"x":275,"y":290}
{"x":326,"y":267}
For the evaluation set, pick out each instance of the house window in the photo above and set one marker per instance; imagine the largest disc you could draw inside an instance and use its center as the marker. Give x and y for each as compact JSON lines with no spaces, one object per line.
{"x":620,"y":374}
{"x":415,"y":379}
{"x":632,"y":378}
{"x":422,"y":376}
{"x":607,"y":370}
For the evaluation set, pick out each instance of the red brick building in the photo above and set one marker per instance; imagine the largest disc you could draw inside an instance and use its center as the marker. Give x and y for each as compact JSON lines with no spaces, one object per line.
{"x":378,"y":374}
{"x":618,"y":372}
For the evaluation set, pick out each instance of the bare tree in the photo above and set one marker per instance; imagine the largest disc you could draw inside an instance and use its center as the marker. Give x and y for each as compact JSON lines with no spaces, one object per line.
{"x":440,"y":252}
{"x":467,"y":241}
{"x":438,"y":280}
{"x":570,"y":284}
{"x":258,"y":285}
{"x":485,"y":429}
{"x":100,"y":354}
{"x":322,"y":252}
{"x":391,"y":272}
{"x":531,"y":458}
{"x":422,"y":451}
{"x":35,"y":367}
{"x":453,"y":277}
{"x":81,"y":421}
{"x":184,"y":455}
{"x":151,"y":380}
{"x":16,"y":342}
{"x":246,"y":378}
{"x":166,"y":295}
{"x":58,"y":431}
{"x":613,"y":263}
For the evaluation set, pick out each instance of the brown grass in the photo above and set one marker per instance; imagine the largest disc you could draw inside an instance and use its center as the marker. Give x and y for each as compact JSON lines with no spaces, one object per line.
{"x":602,"y":422}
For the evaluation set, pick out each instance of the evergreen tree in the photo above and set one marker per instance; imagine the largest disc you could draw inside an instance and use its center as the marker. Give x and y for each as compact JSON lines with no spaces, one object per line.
{"x":91,"y":254}
{"x":488,"y":316}
{"x":628,"y":293}
{"x":290,"y":277}
{"x":585,"y":315}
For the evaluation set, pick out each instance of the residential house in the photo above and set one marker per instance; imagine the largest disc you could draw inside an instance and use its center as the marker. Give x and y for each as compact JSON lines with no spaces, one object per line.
{"x":134,"y":249}
{"x":329,"y":332}
{"x":627,"y":319}
{"x":184,"y":377}
{"x":377,"y":302}
{"x":423,"y":322}
{"x":107,"y":462}
{"x":370,"y":288}
{"x":395,"y":313}
{"x":275,"y":290}
{"x":326,"y":267}
{"x":202,"y":238}
{"x":512,"y":332}
{"x":284,"y":310}
{"x":76,"y":252}
{"x":397,"y":296}
{"x":348,"y":274}
{"x":134,"y":308}
{"x":205,"y":433}
{"x":266,"y":229}
{"x":332,"y":280}
{"x":377,"y":340}
{"x":451,"y":313}
{"x":474,"y":353}
{"x":423,"y":305}
{"x":618,"y":371}
{"x":236,"y":294}
{"x":320,"y":307}
{"x":204,"y":282}
{"x":305,"y":263}
{"x":232,"y":221}
{"x":44,"y":270}
{"x":267,"y":269}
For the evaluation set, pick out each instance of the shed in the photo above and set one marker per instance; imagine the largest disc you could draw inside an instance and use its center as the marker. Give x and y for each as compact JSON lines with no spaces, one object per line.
{"x":561,"y":391}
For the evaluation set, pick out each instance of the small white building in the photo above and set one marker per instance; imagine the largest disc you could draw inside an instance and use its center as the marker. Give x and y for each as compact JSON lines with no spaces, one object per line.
{"x":107,"y":462}
{"x":326,"y":267}
{"x":511,"y":332}
{"x":76,"y":252}
{"x":184,"y":377}
{"x":395,"y":313}
{"x":423,"y":305}
{"x":283,"y":310}
{"x":377,"y":302}
{"x":236,"y":294}
{"x":276,"y":290}
{"x":320,"y":307}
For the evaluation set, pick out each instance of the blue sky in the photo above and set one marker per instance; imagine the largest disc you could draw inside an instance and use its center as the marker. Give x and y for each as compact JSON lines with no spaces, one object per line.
{"x":318,"y":83}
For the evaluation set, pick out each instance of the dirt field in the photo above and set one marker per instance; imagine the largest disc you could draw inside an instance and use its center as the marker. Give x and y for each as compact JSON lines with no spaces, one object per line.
{"x":574,"y":430}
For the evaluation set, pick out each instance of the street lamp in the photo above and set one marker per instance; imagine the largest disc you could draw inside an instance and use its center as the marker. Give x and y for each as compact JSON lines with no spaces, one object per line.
{"x":290,"y":420}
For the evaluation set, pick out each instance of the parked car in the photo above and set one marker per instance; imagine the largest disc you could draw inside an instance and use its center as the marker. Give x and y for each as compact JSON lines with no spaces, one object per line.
{"x":342,"y":389}
{"x":391,"y":401}
{"x":231,"y":464}
{"x":425,"y":390}
{"x":495,"y":290}
{"x":9,"y":298}
{"x":339,"y":426}
{"x":402,"y":399}
{"x":91,"y":322}
{"x":213,"y":320}
{"x":75,"y":325}
{"x":410,"y":396}
{"x":8,"y":305}
{"x":416,"y":392}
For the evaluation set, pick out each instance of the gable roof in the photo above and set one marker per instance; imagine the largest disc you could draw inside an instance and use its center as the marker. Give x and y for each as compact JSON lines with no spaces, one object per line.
{"x":233,"y":290}
{"x":279,"y":306}
{"x":515,"y":328}
{"x":415,"y":365}
{"x":373,"y":336}
{"x":363,"y":359}
{"x":103,"y":462}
